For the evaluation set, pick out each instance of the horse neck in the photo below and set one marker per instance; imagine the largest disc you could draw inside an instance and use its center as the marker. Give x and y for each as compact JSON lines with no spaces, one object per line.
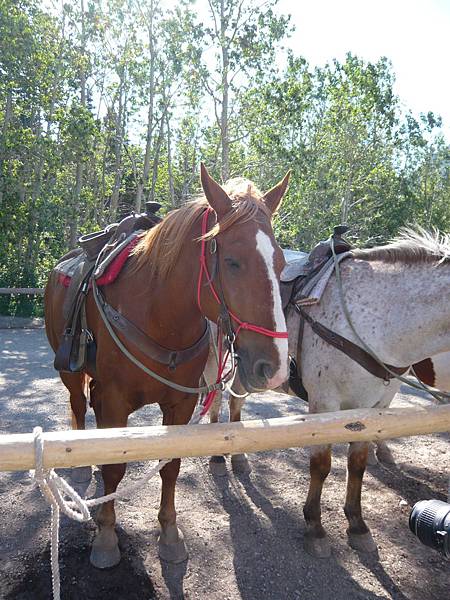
{"x":170,"y":311}
{"x":403,"y":308}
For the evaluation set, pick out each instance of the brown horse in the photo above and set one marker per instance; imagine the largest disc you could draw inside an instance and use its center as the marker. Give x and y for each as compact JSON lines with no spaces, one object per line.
{"x":160,"y":292}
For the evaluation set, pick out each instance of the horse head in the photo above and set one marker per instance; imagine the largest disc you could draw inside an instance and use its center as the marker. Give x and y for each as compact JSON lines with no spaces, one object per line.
{"x":244,"y":264}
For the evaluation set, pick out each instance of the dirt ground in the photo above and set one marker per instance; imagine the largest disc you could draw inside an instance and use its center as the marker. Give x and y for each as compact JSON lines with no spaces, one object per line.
{"x":244,"y":534}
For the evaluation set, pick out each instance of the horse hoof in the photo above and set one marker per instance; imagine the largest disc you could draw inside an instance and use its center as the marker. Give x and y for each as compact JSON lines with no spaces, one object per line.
{"x":81,"y":474}
{"x":172,"y":552}
{"x":217,"y":466}
{"x":362,"y":542}
{"x":240,"y":464}
{"x":317,"y":547}
{"x":105,"y":551}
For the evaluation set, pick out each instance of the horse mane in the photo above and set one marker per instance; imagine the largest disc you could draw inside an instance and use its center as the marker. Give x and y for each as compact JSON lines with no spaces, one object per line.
{"x":412,"y":245}
{"x":160,"y":247}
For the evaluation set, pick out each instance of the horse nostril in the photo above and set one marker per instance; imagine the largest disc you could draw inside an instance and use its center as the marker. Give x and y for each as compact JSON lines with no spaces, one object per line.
{"x":263,"y":369}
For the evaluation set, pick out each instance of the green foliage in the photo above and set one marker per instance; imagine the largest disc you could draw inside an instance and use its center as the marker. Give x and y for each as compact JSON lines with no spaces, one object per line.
{"x":87,"y":92}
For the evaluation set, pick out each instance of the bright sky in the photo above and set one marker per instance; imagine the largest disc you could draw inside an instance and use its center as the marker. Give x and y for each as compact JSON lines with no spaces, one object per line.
{"x":413,"y":34}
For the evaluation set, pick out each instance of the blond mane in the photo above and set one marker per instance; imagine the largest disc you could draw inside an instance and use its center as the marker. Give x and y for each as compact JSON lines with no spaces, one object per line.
{"x":412,"y":245}
{"x":161,"y":246}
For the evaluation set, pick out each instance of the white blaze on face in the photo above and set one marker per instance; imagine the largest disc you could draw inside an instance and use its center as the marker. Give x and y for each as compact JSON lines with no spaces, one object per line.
{"x":266,"y":249}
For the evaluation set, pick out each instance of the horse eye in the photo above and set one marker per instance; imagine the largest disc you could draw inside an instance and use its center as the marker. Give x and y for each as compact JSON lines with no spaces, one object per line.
{"x":232,"y":263}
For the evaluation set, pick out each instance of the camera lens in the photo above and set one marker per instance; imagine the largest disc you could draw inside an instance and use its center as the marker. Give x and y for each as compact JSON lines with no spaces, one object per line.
{"x":430,"y":522}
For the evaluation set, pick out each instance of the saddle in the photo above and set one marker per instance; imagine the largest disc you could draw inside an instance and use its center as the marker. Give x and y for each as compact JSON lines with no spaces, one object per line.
{"x":97,"y":251}
{"x":301,"y":286}
{"x":302,"y":268}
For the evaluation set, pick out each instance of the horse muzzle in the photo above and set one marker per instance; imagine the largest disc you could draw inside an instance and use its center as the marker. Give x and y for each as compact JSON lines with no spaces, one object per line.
{"x":259,"y":374}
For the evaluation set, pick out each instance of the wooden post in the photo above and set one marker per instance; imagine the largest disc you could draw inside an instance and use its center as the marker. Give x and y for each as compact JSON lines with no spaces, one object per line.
{"x":104,"y":446}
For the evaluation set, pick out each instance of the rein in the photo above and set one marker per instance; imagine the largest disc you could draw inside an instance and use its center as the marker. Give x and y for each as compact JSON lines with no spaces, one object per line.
{"x":220,"y":300}
{"x":441,"y":397}
{"x":226,"y":316}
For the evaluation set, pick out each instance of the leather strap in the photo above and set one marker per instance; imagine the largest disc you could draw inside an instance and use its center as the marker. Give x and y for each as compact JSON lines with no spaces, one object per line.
{"x":71,"y":353}
{"x":153,"y":350}
{"x":353,"y":351}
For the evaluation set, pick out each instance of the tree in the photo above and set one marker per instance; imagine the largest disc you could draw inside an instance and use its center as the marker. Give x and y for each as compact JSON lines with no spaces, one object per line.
{"x":243,"y":36}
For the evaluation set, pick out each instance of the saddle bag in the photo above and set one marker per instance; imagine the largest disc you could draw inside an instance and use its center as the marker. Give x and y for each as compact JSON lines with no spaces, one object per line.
{"x":77,"y":348}
{"x":75,"y":352}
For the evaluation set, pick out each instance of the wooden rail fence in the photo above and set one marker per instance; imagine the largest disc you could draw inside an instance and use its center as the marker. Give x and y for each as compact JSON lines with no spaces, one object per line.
{"x":104,"y":446}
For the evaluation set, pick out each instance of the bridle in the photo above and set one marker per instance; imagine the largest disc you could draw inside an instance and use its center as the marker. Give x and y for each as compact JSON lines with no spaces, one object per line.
{"x":224,"y":326}
{"x":226,"y":316}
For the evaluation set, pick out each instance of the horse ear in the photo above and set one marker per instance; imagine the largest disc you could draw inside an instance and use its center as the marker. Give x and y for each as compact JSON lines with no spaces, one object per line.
{"x":273,"y":197}
{"x":217,"y":197}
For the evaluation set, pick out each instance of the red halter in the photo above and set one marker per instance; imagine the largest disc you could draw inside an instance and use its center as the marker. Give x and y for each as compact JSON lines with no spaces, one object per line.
{"x":204,"y":269}
{"x":241,"y":324}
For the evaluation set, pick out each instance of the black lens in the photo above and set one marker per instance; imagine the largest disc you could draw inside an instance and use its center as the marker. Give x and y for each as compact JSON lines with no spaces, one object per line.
{"x":430,"y":522}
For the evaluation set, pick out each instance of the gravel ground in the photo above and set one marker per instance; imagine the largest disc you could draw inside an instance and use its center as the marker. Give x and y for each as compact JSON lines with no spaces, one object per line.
{"x":244,"y":534}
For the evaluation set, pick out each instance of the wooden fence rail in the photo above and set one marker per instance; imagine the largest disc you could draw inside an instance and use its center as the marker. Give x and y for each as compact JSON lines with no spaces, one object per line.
{"x":104,"y":446}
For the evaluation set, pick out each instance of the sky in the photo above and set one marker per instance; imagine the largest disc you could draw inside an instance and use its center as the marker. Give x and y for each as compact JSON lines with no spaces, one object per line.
{"x":413,"y":34}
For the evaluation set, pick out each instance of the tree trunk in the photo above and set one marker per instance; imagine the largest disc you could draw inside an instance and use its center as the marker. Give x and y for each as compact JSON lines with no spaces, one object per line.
{"x":157,"y":150}
{"x":73,"y":223}
{"x":173,"y":201}
{"x":225,"y":141}
{"x":148,"y":144}
{"x":118,"y":149}
{"x":6,"y":121}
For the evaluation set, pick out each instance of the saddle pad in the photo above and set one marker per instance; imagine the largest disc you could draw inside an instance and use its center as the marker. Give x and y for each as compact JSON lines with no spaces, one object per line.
{"x":312,"y":291}
{"x":295,"y":265}
{"x":69,"y":265}
{"x":109,"y":273}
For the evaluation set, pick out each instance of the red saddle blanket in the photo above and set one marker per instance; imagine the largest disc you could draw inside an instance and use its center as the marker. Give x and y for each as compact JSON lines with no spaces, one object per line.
{"x":112,"y":270}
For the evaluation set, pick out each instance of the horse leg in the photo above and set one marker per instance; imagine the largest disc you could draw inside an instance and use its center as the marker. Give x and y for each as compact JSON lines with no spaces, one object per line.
{"x":95,"y":400}
{"x":105,"y":551}
{"x":384,"y":453}
{"x":217,"y":464}
{"x":239,"y":462}
{"x":359,"y":536}
{"x":316,"y":541}
{"x":74,"y":382}
{"x":171,"y":545}
{"x":372,"y":459}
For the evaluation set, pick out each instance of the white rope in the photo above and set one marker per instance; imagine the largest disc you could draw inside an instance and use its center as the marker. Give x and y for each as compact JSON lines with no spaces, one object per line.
{"x":55,"y":489}
{"x":230,"y":390}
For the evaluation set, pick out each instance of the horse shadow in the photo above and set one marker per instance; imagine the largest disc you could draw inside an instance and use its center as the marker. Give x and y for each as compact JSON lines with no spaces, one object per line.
{"x":79,"y":579}
{"x":412,"y":483}
{"x":273,"y":534}
{"x":27,"y":576}
{"x":173,"y":575}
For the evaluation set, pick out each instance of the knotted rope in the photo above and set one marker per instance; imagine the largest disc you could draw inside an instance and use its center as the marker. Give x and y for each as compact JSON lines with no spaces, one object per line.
{"x":55,"y":490}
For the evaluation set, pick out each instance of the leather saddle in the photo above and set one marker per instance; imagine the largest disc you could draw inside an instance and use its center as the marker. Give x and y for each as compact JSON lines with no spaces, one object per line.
{"x":77,"y":347}
{"x":302,"y":267}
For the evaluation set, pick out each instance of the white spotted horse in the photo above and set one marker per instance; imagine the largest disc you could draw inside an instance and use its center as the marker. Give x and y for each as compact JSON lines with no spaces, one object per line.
{"x":395,"y":296}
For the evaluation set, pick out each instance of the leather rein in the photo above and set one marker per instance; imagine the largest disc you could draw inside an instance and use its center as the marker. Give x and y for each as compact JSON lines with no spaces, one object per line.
{"x":226,"y":316}
{"x":113,"y":319}
{"x":353,"y":351}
